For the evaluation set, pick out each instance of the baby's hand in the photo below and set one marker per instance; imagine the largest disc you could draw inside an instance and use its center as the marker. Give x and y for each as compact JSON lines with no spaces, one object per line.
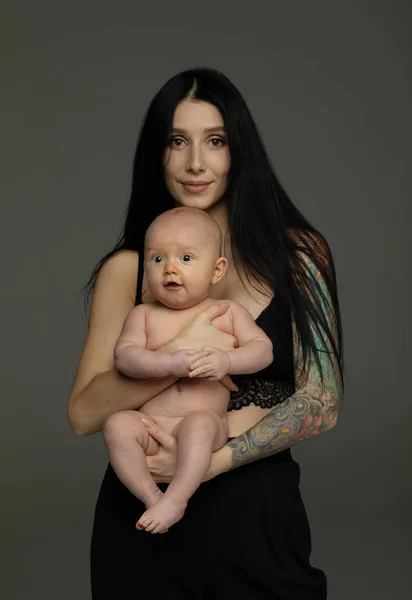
{"x":181,"y":360}
{"x":215,"y":364}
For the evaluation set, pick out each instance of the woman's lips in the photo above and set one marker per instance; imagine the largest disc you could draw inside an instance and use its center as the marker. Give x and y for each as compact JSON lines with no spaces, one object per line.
{"x":195,"y":189}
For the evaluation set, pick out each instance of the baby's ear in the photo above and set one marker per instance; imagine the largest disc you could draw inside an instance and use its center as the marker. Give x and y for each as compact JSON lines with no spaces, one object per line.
{"x":220,"y":269}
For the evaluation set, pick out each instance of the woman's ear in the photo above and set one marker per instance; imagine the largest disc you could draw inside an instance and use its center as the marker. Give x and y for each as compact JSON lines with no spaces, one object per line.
{"x":220,"y":269}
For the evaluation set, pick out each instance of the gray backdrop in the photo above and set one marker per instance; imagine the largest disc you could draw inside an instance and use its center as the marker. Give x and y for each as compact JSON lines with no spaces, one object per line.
{"x":329,"y":86}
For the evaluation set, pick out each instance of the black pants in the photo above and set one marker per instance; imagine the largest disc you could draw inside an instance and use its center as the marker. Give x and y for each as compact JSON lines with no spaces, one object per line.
{"x":244,"y":535}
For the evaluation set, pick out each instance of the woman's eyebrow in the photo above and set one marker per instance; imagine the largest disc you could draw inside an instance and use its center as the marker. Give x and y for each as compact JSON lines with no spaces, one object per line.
{"x":208,"y":130}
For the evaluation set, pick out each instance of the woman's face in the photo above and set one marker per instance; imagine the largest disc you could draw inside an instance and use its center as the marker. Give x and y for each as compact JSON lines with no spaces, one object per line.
{"x":197,"y":152}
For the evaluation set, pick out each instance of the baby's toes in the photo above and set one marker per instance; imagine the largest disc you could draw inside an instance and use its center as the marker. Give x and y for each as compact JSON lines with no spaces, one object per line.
{"x":160,"y":529}
{"x":144,"y":521}
{"x":152,"y":526}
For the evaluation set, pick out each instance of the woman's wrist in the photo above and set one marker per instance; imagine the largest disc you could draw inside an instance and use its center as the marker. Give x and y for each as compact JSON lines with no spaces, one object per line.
{"x":220,"y":463}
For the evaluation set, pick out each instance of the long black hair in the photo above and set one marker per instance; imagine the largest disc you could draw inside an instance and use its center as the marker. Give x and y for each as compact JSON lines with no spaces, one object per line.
{"x":270,"y":237}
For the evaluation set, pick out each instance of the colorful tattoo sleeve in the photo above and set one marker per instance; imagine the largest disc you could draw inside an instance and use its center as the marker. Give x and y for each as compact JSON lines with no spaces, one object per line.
{"x":311,"y":410}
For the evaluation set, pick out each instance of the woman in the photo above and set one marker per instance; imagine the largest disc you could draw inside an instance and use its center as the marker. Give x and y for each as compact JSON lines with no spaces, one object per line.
{"x":245,"y":531}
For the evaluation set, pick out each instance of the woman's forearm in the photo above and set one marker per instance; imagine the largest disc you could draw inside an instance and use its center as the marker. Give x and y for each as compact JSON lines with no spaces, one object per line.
{"x":289,"y":423}
{"x":298,"y":418}
{"x":311,"y":410}
{"x":110,"y":392}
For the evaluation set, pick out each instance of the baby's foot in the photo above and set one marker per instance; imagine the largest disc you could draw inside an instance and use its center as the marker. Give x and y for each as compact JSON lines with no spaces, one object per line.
{"x":162,"y":515}
{"x":158,"y":494}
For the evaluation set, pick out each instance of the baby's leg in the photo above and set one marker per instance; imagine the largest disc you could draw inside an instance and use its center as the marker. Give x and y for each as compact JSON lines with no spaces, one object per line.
{"x":198,"y":436}
{"x":128,"y":442}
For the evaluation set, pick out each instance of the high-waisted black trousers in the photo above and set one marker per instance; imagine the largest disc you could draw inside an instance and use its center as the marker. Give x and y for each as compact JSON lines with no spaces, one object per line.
{"x":244,"y":535}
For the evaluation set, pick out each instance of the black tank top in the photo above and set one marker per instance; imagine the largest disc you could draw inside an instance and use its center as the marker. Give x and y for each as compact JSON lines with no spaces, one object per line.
{"x":275,"y":383}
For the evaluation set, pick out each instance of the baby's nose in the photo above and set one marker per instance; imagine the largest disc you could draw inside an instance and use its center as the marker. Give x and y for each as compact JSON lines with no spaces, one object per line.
{"x":170,"y":267}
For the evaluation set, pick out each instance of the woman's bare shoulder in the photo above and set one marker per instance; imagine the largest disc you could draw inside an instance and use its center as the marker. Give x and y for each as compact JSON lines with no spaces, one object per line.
{"x":120,"y":268}
{"x":114,"y":293}
{"x":113,"y":299}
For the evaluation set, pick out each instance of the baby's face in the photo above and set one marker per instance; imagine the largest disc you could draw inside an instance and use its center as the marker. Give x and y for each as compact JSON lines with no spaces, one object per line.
{"x":180,"y":264}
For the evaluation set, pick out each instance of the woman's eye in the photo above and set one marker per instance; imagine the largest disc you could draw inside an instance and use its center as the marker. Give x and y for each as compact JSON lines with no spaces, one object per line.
{"x":157,"y":258}
{"x":176,"y":140}
{"x":187,"y":257}
{"x":222,"y":141}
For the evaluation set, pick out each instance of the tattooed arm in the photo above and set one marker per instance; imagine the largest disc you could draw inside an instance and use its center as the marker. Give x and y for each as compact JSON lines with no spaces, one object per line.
{"x":311,"y":410}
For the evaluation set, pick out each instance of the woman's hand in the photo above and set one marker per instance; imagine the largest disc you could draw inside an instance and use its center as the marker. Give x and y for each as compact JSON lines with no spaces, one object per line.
{"x":162,"y":465}
{"x":200,"y":332}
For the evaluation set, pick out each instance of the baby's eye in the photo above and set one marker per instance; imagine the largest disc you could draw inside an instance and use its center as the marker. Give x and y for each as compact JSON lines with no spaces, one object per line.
{"x":187,"y":257}
{"x":157,"y":258}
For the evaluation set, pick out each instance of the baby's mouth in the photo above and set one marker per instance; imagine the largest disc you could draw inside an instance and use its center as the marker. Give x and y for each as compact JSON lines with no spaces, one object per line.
{"x":173,"y":285}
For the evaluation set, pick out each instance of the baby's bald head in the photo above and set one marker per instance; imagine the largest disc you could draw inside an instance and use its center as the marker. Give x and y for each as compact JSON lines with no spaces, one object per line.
{"x":192,"y":223}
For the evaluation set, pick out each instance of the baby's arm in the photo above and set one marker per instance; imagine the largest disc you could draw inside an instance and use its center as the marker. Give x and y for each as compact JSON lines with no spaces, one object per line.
{"x":133,"y":359}
{"x":255,"y":351}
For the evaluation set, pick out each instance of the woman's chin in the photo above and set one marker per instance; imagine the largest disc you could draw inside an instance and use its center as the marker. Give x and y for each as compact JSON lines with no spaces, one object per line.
{"x":204,"y":203}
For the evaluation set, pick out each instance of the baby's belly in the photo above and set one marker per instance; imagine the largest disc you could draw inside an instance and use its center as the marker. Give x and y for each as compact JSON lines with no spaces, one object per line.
{"x":186,"y":396}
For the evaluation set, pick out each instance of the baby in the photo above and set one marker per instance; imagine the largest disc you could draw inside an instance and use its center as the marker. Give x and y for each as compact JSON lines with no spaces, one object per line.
{"x":182,"y":260}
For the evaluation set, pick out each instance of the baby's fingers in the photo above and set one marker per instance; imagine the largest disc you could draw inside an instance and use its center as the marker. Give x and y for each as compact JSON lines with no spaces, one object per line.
{"x":201,"y":371}
{"x":201,"y":362}
{"x":195,"y":355}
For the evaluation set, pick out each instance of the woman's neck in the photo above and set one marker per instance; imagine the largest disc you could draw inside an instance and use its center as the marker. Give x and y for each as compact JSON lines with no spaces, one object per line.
{"x":219,"y":213}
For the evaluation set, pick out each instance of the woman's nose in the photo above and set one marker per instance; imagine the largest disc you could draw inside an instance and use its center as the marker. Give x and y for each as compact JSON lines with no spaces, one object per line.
{"x":195,"y":159}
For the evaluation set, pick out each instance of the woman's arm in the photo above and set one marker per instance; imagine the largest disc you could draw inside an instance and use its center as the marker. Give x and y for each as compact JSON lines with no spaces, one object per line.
{"x":313,"y":409}
{"x":107,"y":393}
{"x":99,"y":389}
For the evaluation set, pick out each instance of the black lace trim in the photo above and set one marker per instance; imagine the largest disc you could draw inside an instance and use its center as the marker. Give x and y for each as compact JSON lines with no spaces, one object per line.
{"x":265,"y":393}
